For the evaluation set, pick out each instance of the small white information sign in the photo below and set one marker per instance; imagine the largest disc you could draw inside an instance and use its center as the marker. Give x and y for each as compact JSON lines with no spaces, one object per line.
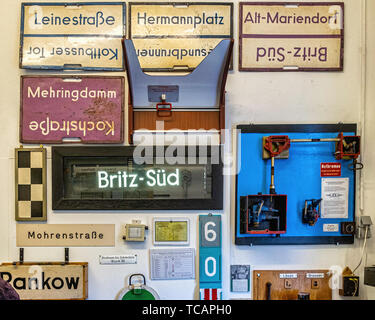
{"x":118,"y":259}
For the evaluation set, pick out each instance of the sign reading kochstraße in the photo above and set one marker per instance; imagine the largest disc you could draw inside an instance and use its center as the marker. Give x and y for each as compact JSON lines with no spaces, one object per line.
{"x":47,"y":280}
{"x":170,"y":36}
{"x":88,"y":108}
{"x":80,"y":35}
{"x":65,"y":235}
{"x":291,"y":36}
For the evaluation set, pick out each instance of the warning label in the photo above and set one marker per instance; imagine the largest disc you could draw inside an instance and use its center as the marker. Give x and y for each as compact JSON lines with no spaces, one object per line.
{"x":330,"y":169}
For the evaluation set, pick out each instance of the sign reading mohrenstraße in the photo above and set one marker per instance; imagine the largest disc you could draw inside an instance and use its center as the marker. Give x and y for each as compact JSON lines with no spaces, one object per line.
{"x":291,"y":36}
{"x":88,"y":108}
{"x":65,"y":235}
{"x":85,"y":36}
{"x":47,"y":280}
{"x":168,"y":36}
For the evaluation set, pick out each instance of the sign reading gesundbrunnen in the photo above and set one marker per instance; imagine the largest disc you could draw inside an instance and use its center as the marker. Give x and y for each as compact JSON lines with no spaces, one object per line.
{"x":57,"y":109}
{"x":47,"y":281}
{"x":171,"y":36}
{"x":85,"y":36}
{"x":291,"y":36}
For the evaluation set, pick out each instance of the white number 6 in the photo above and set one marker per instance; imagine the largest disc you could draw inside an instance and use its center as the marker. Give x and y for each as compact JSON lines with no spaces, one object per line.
{"x":209,"y":234}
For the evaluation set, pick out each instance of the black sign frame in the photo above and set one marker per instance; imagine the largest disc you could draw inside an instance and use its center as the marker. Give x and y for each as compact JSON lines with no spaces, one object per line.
{"x":59,"y":202}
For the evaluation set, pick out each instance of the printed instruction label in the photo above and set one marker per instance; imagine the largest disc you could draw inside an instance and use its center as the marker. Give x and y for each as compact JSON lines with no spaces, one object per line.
{"x":315,"y":275}
{"x":335,"y":198}
{"x":330,"y":227}
{"x":330,"y":169}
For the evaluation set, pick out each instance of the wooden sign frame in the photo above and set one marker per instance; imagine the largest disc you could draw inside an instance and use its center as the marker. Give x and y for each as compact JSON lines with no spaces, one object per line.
{"x":242,"y":36}
{"x":85,"y":274}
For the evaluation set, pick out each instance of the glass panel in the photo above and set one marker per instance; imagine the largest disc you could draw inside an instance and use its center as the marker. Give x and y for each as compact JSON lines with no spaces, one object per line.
{"x":118,"y":178}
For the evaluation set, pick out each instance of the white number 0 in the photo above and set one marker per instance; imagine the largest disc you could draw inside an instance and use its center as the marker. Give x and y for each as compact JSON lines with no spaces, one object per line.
{"x":210,"y":274}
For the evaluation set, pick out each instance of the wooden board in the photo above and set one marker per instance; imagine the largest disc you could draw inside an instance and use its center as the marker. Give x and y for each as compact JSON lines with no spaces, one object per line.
{"x":47,"y":280}
{"x":286,"y":284}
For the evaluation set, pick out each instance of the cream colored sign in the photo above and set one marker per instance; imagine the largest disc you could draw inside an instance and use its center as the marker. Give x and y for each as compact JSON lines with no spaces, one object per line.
{"x":292,"y":19}
{"x":83,"y":36}
{"x":291,"y":53}
{"x":47,"y":281}
{"x":167,"y":36}
{"x":80,"y":51}
{"x":290,"y":36}
{"x":65,"y":235}
{"x":79,"y":19}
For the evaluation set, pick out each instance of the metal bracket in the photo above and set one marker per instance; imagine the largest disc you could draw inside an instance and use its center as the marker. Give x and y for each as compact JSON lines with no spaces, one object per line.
{"x":66,"y":260}
{"x":21,"y":257}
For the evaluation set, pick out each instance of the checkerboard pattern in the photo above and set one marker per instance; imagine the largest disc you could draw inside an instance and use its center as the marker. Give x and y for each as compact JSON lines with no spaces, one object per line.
{"x":30,"y":184}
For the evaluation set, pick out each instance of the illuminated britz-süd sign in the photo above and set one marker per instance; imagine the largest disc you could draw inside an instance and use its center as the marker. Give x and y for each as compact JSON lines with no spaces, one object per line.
{"x":152,"y":178}
{"x":113,"y":178}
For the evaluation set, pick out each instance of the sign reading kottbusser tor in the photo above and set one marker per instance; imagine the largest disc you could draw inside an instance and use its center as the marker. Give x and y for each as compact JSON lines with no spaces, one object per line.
{"x":291,"y":36}
{"x":170,"y":36}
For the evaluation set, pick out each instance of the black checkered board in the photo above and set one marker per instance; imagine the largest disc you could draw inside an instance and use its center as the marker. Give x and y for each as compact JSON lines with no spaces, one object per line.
{"x":30,"y":184}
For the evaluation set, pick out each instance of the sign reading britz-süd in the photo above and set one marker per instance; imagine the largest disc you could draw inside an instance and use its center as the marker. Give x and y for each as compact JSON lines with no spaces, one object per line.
{"x":80,"y":35}
{"x":57,"y":109}
{"x":47,"y":281}
{"x":291,"y":36}
{"x":168,"y":36}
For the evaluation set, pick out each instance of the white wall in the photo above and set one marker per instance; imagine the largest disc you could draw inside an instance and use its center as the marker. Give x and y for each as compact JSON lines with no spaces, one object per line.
{"x":251,"y":98}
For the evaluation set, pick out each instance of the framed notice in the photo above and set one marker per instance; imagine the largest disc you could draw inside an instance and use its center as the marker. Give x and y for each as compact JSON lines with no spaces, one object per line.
{"x":171,"y":231}
{"x":85,"y":109}
{"x":174,"y":36}
{"x":72,"y":36}
{"x":172,"y":264}
{"x":291,"y":36}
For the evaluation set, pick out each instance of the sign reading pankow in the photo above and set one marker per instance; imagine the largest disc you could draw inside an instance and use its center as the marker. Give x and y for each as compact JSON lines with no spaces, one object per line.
{"x":65,"y":235}
{"x":170,"y":36}
{"x":47,"y":281}
{"x":78,"y":35}
{"x":57,"y":108}
{"x":291,"y":36}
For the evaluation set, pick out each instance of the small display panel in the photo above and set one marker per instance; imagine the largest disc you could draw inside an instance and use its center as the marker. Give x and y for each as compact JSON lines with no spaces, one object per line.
{"x":171,"y":231}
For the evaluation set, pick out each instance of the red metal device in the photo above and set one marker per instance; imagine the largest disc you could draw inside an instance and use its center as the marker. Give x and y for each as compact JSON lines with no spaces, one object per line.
{"x":348,"y":147}
{"x":164,"y":106}
{"x":276,"y":144}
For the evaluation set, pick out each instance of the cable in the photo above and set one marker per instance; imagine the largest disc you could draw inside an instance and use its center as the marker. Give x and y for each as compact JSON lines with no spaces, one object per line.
{"x":363,"y":250}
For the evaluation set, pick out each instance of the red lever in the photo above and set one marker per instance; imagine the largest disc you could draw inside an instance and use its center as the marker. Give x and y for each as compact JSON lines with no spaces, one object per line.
{"x":164,"y":106}
{"x":276,"y":144}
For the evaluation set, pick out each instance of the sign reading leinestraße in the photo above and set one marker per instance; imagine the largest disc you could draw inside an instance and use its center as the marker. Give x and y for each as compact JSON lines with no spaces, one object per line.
{"x":168,"y":36}
{"x":47,"y":280}
{"x":65,"y":235}
{"x":291,"y":36}
{"x":85,"y":36}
